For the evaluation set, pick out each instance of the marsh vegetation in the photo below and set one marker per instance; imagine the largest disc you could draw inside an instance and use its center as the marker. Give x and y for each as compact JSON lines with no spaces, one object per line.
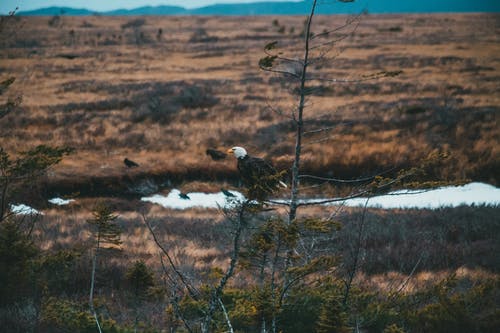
{"x":161,"y":90}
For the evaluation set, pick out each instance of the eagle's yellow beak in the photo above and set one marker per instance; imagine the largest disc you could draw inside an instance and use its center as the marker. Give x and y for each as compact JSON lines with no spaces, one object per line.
{"x":230,"y":151}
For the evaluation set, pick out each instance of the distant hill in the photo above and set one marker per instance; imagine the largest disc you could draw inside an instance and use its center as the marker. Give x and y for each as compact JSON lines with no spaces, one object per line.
{"x":293,"y":8}
{"x":149,"y":10}
{"x":50,"y":11}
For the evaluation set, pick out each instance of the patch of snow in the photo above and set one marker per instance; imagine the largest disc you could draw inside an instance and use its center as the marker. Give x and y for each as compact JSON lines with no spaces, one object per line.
{"x":60,"y":201}
{"x":23,"y":209}
{"x":448,"y":196}
{"x":196,"y":199}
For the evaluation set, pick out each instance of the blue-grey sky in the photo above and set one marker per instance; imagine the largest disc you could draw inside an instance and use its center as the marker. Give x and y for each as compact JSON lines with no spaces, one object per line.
{"x":105,"y":5}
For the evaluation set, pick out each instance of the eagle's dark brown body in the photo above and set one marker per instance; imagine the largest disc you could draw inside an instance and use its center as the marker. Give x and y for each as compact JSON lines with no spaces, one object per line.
{"x":258,"y":175}
{"x":254,"y":169}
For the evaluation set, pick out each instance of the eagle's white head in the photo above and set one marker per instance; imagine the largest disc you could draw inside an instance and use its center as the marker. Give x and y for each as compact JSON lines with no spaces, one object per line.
{"x":239,"y":152}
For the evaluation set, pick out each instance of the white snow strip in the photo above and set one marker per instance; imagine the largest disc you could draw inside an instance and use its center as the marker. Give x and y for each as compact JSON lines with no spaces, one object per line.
{"x":23,"y":209}
{"x":450,"y":196}
{"x":60,"y":201}
{"x":196,"y":199}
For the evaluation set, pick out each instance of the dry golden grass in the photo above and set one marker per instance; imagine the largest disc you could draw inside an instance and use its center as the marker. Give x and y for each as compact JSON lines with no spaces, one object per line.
{"x":197,"y":238}
{"x":432,"y":245}
{"x":112,"y":92}
{"x":394,"y":282}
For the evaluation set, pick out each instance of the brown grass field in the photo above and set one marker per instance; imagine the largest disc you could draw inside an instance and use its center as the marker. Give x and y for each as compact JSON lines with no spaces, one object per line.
{"x":114,"y":87}
{"x":161,"y":90}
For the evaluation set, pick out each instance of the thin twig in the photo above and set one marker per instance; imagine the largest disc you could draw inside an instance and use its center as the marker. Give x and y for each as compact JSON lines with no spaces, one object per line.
{"x":174,"y":299}
{"x":348,"y":283}
{"x":192,"y":291}
{"x":373,"y":76}
{"x":320,"y":140}
{"x":319,"y":130}
{"x":358,"y":180}
{"x":329,"y":43}
{"x":240,"y":222}
{"x":348,"y":23}
{"x":278,"y":71}
{"x":280,"y":57}
{"x":356,"y":195}
{"x":277,"y":111}
{"x":405,"y":282}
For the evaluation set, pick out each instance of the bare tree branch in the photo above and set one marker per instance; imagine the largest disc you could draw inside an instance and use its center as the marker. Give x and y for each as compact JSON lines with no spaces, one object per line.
{"x":352,"y":196}
{"x":329,"y":43}
{"x":277,"y":71}
{"x":277,"y":111}
{"x":357,"y":250}
{"x":363,"y":78}
{"x":217,"y":292}
{"x":192,"y":290}
{"x":405,"y":282}
{"x":174,"y":300}
{"x":347,"y":24}
{"x":228,"y":322}
{"x":299,"y":130}
{"x":323,"y":129}
{"x":325,"y":139}
{"x":338,"y":180}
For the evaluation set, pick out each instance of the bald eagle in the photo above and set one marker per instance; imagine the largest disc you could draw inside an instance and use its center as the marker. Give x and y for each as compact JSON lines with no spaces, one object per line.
{"x":258,"y":175}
